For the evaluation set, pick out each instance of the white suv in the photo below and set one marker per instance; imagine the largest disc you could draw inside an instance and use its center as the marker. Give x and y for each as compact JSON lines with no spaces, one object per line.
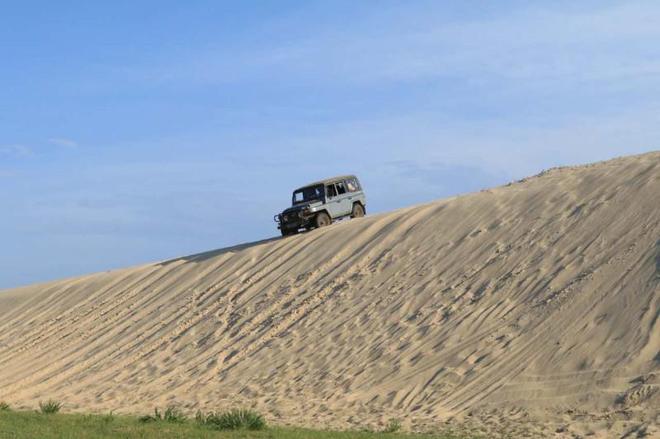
{"x":319,"y":204}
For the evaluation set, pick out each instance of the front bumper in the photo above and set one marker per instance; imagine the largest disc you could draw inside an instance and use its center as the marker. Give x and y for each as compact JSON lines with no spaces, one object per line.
{"x":294,"y":220}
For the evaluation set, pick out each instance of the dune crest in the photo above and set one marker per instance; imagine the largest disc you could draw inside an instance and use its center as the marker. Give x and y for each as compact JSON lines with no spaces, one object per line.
{"x":535,"y":302}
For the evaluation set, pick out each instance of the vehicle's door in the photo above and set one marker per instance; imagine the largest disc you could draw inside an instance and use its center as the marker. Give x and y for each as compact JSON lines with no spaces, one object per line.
{"x":353,"y":186}
{"x":332,"y":201}
{"x":345,"y":198}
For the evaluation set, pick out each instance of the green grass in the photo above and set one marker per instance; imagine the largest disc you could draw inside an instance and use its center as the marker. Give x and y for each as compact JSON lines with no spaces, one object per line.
{"x":393,"y":426}
{"x":50,"y":407}
{"x":236,"y":419}
{"x":171,"y":414}
{"x":24,"y":424}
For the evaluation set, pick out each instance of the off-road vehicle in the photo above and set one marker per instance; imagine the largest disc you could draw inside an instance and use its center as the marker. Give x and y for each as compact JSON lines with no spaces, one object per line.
{"x":319,"y":204}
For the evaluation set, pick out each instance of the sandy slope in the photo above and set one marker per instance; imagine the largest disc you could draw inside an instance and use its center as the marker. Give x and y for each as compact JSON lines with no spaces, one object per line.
{"x":527,"y":307}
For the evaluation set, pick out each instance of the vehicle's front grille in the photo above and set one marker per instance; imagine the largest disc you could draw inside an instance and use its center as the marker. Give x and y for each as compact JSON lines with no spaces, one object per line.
{"x":291,"y":216}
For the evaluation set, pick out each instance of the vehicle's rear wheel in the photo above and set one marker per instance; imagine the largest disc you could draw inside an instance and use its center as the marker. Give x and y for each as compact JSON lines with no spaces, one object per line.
{"x":322,"y":219}
{"x":358,"y":211}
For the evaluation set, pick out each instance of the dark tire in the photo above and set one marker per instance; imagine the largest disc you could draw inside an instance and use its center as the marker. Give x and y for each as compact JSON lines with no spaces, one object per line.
{"x":358,"y":211}
{"x":322,"y":219}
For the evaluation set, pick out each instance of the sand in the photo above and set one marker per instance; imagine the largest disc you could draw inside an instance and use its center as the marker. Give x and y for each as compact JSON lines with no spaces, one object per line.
{"x":528,"y":309}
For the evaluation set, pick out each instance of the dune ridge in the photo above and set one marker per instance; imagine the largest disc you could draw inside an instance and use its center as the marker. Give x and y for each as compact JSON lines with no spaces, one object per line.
{"x":534,"y":303}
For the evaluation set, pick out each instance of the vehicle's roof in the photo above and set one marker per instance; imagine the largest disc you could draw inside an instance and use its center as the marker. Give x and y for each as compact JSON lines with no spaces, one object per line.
{"x":327,"y":180}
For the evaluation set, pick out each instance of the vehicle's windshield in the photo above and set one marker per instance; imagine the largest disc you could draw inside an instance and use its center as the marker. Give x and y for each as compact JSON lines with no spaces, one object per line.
{"x":307,"y":194}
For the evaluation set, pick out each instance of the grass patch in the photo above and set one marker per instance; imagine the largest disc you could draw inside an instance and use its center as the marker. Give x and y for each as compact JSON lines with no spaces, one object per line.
{"x":237,"y":419}
{"x":171,"y":414}
{"x":4,"y":407}
{"x":50,"y":407}
{"x":30,"y":424}
{"x":393,"y":426}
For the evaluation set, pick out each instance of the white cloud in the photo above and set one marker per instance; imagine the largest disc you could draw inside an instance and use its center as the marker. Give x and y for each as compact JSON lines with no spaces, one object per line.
{"x":20,"y":151}
{"x":65,"y":143}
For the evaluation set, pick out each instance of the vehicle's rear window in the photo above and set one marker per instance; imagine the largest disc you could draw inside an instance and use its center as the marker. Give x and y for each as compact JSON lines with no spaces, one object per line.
{"x":352,"y":185}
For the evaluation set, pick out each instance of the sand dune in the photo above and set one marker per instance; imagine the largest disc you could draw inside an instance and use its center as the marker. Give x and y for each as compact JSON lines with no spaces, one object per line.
{"x":530,"y":307}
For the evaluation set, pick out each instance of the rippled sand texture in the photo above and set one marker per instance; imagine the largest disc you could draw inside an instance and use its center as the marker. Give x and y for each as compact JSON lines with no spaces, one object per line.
{"x":534,"y":305}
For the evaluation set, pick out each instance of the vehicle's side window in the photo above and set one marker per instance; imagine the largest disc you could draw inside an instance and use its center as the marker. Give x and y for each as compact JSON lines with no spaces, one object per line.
{"x":331,"y":191}
{"x":352,"y":185}
{"x":341,"y":189}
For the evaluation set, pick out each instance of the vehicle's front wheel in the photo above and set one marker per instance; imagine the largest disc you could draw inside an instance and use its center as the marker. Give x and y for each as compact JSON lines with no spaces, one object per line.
{"x":322,"y":219}
{"x":358,"y":211}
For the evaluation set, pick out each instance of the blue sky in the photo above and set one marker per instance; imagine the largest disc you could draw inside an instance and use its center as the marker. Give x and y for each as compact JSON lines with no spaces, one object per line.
{"x":134,"y":131}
